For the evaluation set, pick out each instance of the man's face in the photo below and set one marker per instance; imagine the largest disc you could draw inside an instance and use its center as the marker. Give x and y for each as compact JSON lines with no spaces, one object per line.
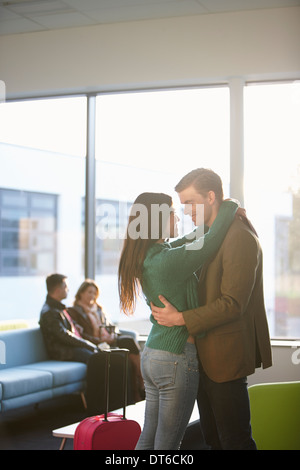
{"x":194,"y":203}
{"x":63,"y":289}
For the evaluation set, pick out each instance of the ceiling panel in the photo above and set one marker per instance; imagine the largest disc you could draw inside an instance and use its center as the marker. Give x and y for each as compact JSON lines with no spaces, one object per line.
{"x":217,"y":6}
{"x":149,"y":11}
{"x":85,"y":5}
{"x":18,"y":25}
{"x":19,"y":16}
{"x":65,"y":20}
{"x":34,"y":8}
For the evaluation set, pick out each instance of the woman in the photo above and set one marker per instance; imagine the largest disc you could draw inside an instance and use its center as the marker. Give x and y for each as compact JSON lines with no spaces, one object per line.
{"x":94,"y":326}
{"x":169,"y":359}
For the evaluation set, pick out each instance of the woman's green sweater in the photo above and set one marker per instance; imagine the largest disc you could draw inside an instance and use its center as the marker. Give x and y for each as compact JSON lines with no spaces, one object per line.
{"x":169,"y":270}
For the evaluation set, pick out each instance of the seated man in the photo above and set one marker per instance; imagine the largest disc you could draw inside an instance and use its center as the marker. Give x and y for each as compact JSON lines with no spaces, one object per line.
{"x":62,"y":339}
{"x":64,"y":342}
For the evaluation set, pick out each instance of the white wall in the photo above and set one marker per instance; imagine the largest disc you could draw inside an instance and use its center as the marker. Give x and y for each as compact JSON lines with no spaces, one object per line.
{"x":188,"y":50}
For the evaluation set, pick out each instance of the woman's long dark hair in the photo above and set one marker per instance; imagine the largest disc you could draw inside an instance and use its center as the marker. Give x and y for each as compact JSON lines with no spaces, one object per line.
{"x":137,"y":243}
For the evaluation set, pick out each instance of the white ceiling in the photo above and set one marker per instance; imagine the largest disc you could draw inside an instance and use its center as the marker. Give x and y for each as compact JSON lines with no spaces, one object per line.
{"x":22,"y":16}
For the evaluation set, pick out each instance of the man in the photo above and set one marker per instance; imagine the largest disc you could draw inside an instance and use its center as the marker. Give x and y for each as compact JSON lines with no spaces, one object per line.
{"x":64,"y":342}
{"x":231,"y":320}
{"x":62,"y":339}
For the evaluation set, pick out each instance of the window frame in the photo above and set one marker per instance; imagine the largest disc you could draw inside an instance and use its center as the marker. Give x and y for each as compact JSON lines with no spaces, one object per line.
{"x":236,"y":91}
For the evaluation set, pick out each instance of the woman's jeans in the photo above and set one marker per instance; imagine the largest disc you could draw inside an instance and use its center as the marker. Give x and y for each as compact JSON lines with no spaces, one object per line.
{"x":171,"y":383}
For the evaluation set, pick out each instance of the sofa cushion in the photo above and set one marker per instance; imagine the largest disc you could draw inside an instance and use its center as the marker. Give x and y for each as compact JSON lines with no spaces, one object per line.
{"x":25,"y":400}
{"x":67,"y":389}
{"x":22,"y":347}
{"x":19,"y":381}
{"x":64,"y":372}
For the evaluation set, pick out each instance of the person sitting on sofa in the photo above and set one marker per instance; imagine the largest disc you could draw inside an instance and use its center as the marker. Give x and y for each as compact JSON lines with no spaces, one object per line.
{"x":64,"y":341}
{"x":95,"y":327}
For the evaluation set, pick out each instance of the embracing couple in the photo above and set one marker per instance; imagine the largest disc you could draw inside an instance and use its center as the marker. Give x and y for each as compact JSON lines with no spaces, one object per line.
{"x":209,"y":327}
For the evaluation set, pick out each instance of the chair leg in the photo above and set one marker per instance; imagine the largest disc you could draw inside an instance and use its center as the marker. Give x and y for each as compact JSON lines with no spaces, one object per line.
{"x":62,"y":445}
{"x":83,"y":400}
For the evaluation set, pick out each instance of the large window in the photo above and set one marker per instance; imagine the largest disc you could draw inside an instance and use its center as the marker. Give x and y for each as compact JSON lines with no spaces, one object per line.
{"x":146,"y":141}
{"x":272,"y":196}
{"x":42,"y":183}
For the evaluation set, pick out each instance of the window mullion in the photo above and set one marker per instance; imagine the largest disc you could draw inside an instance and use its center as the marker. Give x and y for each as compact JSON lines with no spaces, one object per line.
{"x":236,"y":86}
{"x":90,"y":190}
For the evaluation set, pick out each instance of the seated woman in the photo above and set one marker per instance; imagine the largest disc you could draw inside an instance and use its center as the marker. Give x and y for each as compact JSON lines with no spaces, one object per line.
{"x":94,"y":326}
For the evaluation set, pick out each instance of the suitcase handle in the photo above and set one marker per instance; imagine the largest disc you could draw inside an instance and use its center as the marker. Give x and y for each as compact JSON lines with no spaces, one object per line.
{"x":108,"y":352}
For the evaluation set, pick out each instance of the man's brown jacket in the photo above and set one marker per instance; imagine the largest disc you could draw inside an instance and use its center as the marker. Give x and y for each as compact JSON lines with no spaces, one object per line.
{"x":232,"y":313}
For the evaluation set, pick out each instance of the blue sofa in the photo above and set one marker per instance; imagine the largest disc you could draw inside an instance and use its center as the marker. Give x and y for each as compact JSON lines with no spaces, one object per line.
{"x":27,"y":376}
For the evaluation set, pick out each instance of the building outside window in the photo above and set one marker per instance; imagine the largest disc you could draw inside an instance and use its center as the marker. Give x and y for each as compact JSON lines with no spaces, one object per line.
{"x":111,"y":223}
{"x":42,"y":181}
{"x":272,"y":196}
{"x":28,"y":223}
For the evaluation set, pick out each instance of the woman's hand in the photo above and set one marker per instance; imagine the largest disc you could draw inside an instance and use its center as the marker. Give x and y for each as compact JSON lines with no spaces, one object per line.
{"x":105,"y":337}
{"x":241,"y":212}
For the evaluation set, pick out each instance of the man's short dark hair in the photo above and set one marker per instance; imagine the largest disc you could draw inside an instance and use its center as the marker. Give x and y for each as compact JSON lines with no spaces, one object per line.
{"x":203,"y":180}
{"x":54,"y":280}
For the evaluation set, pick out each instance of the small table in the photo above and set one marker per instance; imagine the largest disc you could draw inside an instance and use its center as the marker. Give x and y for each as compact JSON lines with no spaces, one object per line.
{"x":67,"y":432}
{"x":135,"y":412}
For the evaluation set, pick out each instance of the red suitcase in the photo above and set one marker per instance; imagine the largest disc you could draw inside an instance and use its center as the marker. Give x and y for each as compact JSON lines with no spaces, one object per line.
{"x":110,"y":431}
